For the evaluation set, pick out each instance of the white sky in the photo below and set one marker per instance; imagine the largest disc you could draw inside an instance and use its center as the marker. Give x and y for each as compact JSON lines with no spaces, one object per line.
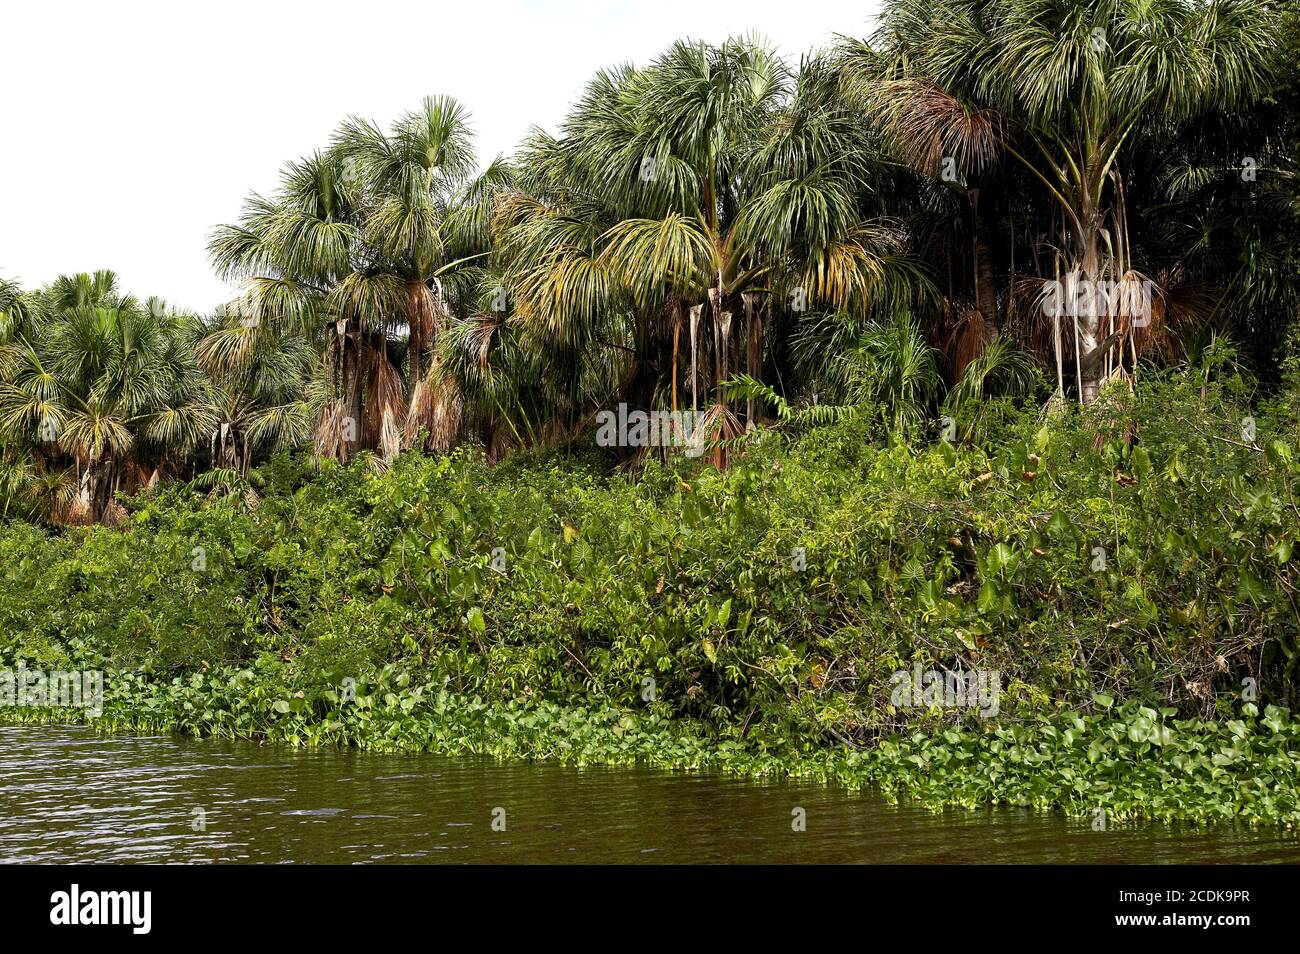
{"x":131,"y":128}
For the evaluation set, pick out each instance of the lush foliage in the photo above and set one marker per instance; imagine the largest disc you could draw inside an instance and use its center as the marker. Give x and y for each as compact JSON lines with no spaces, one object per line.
{"x":545,"y":578}
{"x":885,"y":225}
{"x":375,"y":468}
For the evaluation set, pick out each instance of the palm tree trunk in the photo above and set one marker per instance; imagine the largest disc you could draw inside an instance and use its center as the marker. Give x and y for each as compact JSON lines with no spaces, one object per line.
{"x":677,"y":336}
{"x":721,"y":343}
{"x":696,"y":311}
{"x":100,"y":474}
{"x":1056,"y":335}
{"x":1091,"y":357}
{"x":353,"y":399}
{"x":986,"y":296}
{"x":417,"y":319}
{"x":753,"y":350}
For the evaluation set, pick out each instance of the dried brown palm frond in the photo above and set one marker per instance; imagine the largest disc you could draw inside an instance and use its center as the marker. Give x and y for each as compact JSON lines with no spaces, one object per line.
{"x":968,"y":334}
{"x":437,"y":405}
{"x":482,"y":327}
{"x":926,"y":125}
{"x":720,"y":426}
{"x":390,"y":440}
{"x":1136,"y":306}
{"x":1032,"y":327}
{"x":134,"y":476}
{"x":387,"y":394}
{"x":335,"y":431}
{"x":1183,"y":307}
{"x":418,"y":406}
{"x":426,"y":318}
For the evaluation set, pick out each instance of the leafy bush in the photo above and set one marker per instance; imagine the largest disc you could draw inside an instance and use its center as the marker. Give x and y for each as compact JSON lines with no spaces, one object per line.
{"x":982,"y":556}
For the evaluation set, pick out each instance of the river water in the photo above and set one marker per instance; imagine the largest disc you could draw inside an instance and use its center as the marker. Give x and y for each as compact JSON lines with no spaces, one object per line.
{"x":70,"y":795}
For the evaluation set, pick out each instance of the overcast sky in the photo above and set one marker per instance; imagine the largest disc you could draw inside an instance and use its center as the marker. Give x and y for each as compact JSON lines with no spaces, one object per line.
{"x":129,"y":129}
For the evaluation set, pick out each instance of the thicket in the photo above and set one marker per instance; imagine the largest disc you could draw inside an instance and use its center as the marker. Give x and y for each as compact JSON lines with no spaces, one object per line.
{"x":1139,"y":549}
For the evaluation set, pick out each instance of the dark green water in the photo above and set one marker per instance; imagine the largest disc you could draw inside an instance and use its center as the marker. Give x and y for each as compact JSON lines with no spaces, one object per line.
{"x":67,"y":795}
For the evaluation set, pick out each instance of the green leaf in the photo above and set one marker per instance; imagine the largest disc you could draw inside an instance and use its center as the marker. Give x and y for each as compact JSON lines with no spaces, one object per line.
{"x":476,"y":621}
{"x":988,"y":596}
{"x":724,"y":614}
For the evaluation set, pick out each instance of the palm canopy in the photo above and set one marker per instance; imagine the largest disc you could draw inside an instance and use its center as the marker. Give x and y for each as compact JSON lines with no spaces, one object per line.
{"x":1062,"y":87}
{"x":262,"y":386}
{"x":696,"y":194}
{"x":105,"y":382}
{"x":363,"y":247}
{"x":715,"y":214}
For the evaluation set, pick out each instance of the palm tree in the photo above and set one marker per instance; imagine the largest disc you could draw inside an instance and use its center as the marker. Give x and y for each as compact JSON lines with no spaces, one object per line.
{"x":1062,"y":88}
{"x":362,"y":248}
{"x":102,"y":389}
{"x":685,"y":201}
{"x":262,"y":386}
{"x":293,"y":251}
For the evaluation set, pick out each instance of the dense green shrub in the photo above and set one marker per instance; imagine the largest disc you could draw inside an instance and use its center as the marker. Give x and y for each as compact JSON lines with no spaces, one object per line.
{"x":974,"y":556}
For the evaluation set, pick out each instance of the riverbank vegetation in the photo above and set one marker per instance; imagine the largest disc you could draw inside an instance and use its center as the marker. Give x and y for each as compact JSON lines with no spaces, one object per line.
{"x":982,"y":189}
{"x":377,"y":467}
{"x":1110,"y":768}
{"x":763,"y":608}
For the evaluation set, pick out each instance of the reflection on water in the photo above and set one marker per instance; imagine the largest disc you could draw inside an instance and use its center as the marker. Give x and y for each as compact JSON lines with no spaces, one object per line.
{"x":67,"y":794}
